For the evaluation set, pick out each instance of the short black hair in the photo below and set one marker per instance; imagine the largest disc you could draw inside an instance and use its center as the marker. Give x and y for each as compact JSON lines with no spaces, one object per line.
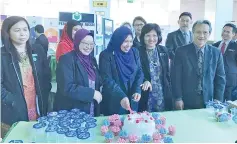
{"x":149,"y":27}
{"x":185,"y":14}
{"x":234,"y":28}
{"x":139,"y":18}
{"x":207,"y":22}
{"x":39,"y":28}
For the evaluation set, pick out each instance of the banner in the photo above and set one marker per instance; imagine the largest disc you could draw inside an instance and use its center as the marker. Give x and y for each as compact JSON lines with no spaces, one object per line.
{"x":51,"y":29}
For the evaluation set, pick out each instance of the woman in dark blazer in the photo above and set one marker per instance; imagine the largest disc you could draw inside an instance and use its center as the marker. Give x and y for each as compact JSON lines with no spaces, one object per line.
{"x":156,"y":94}
{"x":25,"y":74}
{"x":78,"y":80}
{"x":121,"y":73}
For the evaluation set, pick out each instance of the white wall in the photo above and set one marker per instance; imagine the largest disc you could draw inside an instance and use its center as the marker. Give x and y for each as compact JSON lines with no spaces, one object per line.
{"x":235,"y":11}
{"x":44,"y":8}
{"x":196,"y":7}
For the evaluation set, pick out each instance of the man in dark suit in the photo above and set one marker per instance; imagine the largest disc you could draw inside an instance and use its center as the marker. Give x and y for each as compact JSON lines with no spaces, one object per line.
{"x":229,"y":50}
{"x":199,"y":74}
{"x":180,"y":37}
{"x":235,"y":36}
{"x":41,"y":38}
{"x":138,"y":24}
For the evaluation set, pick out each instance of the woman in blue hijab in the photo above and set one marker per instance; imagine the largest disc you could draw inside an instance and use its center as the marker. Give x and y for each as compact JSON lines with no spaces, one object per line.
{"x":121,"y":72}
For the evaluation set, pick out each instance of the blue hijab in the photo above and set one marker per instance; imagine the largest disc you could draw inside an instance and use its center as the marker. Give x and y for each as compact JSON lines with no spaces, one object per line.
{"x":125,"y":61}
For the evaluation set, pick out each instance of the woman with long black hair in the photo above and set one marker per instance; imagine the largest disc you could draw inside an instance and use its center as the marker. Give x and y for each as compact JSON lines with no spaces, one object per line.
{"x":25,"y":74}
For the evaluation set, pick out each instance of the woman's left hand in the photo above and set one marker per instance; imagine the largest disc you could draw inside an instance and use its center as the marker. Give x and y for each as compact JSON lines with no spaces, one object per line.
{"x":136,"y":97}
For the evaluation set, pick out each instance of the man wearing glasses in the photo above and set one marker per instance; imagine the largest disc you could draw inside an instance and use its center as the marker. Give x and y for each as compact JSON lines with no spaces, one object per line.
{"x":138,"y":24}
{"x":198,"y":74}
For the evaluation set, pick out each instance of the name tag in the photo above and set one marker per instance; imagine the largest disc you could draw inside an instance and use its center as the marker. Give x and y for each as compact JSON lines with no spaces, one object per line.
{"x":162,"y":54}
{"x":231,"y":50}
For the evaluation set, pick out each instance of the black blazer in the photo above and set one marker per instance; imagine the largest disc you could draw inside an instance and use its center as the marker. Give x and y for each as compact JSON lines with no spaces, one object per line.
{"x":43,"y":41}
{"x":174,"y":40}
{"x":164,"y":61}
{"x":13,"y":103}
{"x":230,"y":62}
{"x":185,"y":76}
{"x":113,"y":88}
{"x":136,"y":43}
{"x":73,"y":85}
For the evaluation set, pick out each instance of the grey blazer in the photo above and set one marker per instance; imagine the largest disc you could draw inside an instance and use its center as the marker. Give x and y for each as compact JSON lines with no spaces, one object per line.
{"x":174,"y":40}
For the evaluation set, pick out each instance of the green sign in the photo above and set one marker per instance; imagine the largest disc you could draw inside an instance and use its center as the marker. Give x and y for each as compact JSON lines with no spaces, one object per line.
{"x":76,"y":16}
{"x":130,"y":1}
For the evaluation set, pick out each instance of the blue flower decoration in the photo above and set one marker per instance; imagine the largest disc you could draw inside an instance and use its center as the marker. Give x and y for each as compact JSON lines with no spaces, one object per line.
{"x":146,"y":138}
{"x":162,"y":131}
{"x":123,"y":134}
{"x":109,"y":135}
{"x":234,"y":118}
{"x":168,"y":140}
{"x":63,"y":111}
{"x":15,"y":141}
{"x":158,"y":122}
{"x":42,"y":119}
{"x":106,"y":122}
{"x":218,"y":106}
{"x":155,"y":115}
{"x":223,"y":117}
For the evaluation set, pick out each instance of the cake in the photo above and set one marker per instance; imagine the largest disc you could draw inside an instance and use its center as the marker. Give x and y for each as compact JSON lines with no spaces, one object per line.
{"x":137,"y":127}
{"x":139,"y":124}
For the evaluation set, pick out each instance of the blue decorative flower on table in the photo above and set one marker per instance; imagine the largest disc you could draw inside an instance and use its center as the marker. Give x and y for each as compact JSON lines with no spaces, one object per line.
{"x":53,"y":123}
{"x":158,"y":122}
{"x":62,"y":112}
{"x":52,"y":114}
{"x":75,"y":116}
{"x":109,"y":135}
{"x":163,"y":131}
{"x":78,"y":121}
{"x":146,"y":138}
{"x":223,"y":117}
{"x":75,"y":110}
{"x":70,"y":114}
{"x":123,"y":134}
{"x":51,"y":119}
{"x":15,"y":141}
{"x":42,"y":119}
{"x":168,"y":140}
{"x":51,"y":129}
{"x":106,"y":123}
{"x":155,"y":115}
{"x":61,"y":115}
{"x":62,"y":130}
{"x":234,"y":118}
{"x":39,"y":125}
{"x":71,"y":133}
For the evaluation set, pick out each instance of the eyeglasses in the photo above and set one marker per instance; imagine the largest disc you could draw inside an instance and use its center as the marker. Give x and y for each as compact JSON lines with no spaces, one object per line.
{"x":200,"y":33}
{"x":88,"y":44}
{"x":139,"y":25}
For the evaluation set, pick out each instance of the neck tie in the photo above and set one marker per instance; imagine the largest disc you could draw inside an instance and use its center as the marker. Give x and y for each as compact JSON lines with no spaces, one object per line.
{"x":223,"y":48}
{"x":200,"y":70}
{"x":186,"y":38}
